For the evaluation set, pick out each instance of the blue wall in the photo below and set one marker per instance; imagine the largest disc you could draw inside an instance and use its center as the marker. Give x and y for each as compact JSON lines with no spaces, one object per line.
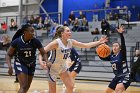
{"x":50,"y":6}
{"x":130,"y":4}
{"x":73,"y":5}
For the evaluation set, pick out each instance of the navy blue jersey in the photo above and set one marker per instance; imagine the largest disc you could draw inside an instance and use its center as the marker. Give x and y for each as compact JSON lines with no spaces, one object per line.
{"x":119,"y":62}
{"x":25,"y":52}
{"x":74,"y":56}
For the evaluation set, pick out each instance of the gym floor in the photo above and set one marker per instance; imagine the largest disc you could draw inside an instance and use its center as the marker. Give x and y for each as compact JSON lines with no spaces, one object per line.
{"x":7,"y":85}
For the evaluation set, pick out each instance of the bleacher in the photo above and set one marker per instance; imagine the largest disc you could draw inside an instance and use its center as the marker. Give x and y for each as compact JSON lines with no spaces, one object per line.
{"x":93,"y":68}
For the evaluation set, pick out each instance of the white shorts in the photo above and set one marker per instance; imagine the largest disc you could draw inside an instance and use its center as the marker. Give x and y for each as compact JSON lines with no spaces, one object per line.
{"x":56,"y":69}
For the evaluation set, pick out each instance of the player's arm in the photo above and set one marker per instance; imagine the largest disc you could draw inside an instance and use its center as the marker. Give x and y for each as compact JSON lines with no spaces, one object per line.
{"x":105,"y":59}
{"x":90,"y":44}
{"x":9,"y":56}
{"x":74,"y":55}
{"x":43,"y":59}
{"x":52,"y":45}
{"x":123,"y":46}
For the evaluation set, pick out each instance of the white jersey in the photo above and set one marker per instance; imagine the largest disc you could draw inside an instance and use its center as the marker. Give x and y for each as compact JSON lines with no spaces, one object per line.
{"x":58,"y":58}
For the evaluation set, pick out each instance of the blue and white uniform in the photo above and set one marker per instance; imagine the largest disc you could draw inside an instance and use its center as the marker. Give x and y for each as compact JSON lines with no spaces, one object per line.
{"x":58,"y":58}
{"x":25,"y":55}
{"x":76,"y":66}
{"x":119,"y":66}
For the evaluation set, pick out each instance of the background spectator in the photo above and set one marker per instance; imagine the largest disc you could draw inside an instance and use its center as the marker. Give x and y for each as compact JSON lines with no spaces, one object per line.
{"x":85,"y":24}
{"x":71,"y":18}
{"x":13,"y":25}
{"x":4,"y":27}
{"x":81,"y":15}
{"x":5,"y":42}
{"x":105,"y":27}
{"x":96,"y":31}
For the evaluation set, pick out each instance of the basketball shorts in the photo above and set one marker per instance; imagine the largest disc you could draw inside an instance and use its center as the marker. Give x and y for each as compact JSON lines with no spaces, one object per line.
{"x":123,"y":79}
{"x":76,"y":67}
{"x":55,"y":70}
{"x":23,"y":68}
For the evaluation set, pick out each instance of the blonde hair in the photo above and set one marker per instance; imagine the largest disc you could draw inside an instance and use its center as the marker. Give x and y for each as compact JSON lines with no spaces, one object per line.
{"x":6,"y":39}
{"x":59,"y":30}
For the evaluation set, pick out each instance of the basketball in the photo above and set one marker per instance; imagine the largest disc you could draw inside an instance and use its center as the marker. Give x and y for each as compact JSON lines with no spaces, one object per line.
{"x":103,"y":50}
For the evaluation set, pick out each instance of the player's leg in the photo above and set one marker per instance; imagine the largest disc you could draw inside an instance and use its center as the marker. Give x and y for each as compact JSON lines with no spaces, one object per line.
{"x":112,"y":85}
{"x":24,"y":75}
{"x":123,"y":85}
{"x":52,"y":86}
{"x":67,"y":80}
{"x":73,"y":74}
{"x":24,"y":81}
{"x":120,"y":88}
{"x":109,"y":90}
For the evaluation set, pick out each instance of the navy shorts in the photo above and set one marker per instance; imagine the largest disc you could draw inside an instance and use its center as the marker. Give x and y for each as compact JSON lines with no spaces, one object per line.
{"x":76,"y":67}
{"x":123,"y":79}
{"x":23,"y":68}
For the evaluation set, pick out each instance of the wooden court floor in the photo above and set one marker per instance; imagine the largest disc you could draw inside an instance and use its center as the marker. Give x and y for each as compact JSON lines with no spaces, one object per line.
{"x":7,"y":85}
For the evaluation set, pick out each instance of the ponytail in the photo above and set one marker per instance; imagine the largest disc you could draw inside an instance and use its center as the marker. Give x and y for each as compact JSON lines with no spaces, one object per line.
{"x":59,"y":30}
{"x":21,"y":31}
{"x":17,"y":34}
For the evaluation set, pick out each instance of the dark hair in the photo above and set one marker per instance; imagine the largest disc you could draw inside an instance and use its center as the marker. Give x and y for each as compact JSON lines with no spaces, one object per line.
{"x":59,"y":29}
{"x":117,"y":43}
{"x":21,"y":31}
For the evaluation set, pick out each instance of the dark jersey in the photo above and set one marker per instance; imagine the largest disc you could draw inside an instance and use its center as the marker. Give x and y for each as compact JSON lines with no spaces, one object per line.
{"x":25,"y":52}
{"x":74,"y":56}
{"x":119,"y":61}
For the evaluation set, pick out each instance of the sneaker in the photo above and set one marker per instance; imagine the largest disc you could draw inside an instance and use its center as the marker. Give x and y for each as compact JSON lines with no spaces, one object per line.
{"x":64,"y":89}
{"x":16,"y":81}
{"x":46,"y":91}
{"x":74,"y":89}
{"x":35,"y":91}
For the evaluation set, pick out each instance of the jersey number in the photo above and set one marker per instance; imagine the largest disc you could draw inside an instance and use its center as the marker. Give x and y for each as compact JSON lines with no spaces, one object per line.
{"x":27,"y":53}
{"x":65,"y":56}
{"x":114,"y":66}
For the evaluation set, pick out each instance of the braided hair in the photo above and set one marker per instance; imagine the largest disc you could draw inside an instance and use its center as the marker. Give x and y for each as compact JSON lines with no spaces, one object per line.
{"x":21,"y":31}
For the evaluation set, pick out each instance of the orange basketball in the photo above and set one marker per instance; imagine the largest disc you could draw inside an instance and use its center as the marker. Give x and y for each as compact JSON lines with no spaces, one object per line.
{"x":103,"y":50}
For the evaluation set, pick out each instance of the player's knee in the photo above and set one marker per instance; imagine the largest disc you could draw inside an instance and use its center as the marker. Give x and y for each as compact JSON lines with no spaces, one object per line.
{"x":119,"y":90}
{"x":70,"y":86}
{"x":108,"y":90}
{"x":25,"y":88}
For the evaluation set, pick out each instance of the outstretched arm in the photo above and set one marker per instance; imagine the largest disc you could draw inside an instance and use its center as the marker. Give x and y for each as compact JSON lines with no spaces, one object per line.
{"x":123,"y":46}
{"x":102,"y":40}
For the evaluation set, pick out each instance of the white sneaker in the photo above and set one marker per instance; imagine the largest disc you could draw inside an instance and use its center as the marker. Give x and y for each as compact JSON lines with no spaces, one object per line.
{"x":35,"y":91}
{"x":46,"y":91}
{"x":74,"y":89}
{"x":63,"y":89}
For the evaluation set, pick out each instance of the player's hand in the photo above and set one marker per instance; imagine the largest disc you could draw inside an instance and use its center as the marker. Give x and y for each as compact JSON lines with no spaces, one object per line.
{"x":49,"y":64}
{"x":121,"y":29}
{"x":103,"y":39}
{"x":43,"y":65}
{"x":10,"y":71}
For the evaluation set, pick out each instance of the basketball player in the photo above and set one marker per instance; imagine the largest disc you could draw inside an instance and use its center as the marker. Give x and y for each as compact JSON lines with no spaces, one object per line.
{"x":136,"y":65}
{"x":74,"y":66}
{"x":24,"y":49}
{"x":61,"y":50}
{"x":118,"y":60}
